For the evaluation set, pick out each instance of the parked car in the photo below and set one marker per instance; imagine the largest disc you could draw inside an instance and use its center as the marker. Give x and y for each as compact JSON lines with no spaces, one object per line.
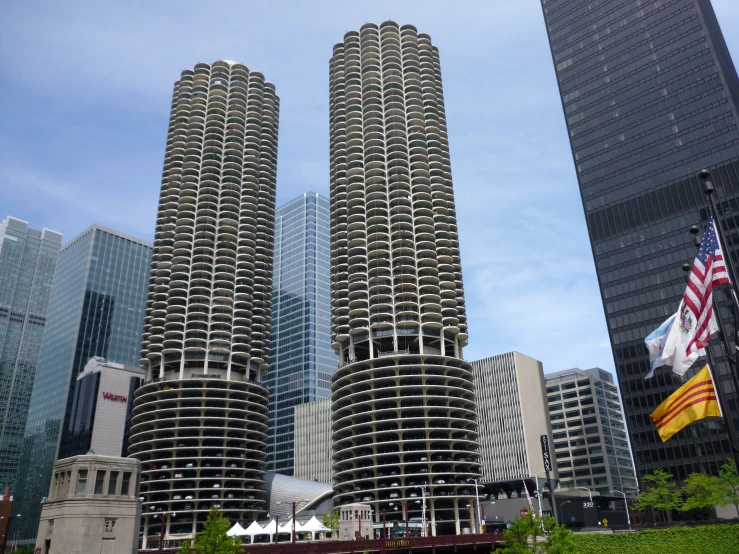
{"x":214,"y":496}
{"x":188,"y":497}
{"x":367,"y":499}
{"x":177,"y":497}
{"x":178,"y":475}
{"x":216,"y":485}
{"x":394,"y":495}
{"x":439,"y":481}
{"x":190,"y":464}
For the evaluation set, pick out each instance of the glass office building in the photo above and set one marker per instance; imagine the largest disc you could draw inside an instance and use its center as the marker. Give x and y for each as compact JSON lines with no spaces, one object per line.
{"x":302,"y":357}
{"x":96,"y":308}
{"x":27,"y":262}
{"x":650,"y":96}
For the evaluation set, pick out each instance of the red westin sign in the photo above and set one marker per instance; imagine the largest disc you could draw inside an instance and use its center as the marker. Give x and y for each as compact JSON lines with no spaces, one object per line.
{"x":114,"y":397}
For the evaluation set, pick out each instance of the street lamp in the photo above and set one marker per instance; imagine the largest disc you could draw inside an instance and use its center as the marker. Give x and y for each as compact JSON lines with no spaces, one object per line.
{"x":294,"y":505}
{"x":477,"y":495}
{"x":626,"y":506}
{"x":560,"y":508}
{"x":589,"y":492}
{"x":7,"y":534}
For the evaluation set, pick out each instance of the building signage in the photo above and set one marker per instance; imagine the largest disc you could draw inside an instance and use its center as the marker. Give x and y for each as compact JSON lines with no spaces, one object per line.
{"x":545,"y":453}
{"x":397,"y":543}
{"x":115,"y":397}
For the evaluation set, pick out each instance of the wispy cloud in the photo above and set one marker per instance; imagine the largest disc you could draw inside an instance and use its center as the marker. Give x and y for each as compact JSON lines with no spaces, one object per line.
{"x":86,"y":93}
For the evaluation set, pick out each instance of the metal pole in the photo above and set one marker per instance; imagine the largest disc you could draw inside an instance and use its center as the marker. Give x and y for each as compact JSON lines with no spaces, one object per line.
{"x":553,"y":500}
{"x":293,"y":523}
{"x":538,"y":494}
{"x":5,"y":536}
{"x":161,"y":533}
{"x":626,"y":505}
{"x":384,"y":525}
{"x":277,"y":528}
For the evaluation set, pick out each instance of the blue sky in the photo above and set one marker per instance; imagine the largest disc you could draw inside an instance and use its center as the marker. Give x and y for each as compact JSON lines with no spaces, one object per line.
{"x":85,"y":90}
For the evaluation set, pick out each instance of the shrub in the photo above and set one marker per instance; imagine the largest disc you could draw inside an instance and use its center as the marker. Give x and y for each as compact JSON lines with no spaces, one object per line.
{"x":708,"y":539}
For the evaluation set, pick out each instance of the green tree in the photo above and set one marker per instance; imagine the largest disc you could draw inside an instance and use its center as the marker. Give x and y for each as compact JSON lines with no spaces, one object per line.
{"x":331,"y":519}
{"x":661,"y":493}
{"x":533,"y":534}
{"x":729,"y":479}
{"x":701,"y":491}
{"x":213,"y":539}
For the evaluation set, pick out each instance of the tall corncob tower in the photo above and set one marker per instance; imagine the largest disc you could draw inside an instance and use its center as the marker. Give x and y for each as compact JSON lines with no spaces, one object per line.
{"x":200,"y":422}
{"x":403,"y":402}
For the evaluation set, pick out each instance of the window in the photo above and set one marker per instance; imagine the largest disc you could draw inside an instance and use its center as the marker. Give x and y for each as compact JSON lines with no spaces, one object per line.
{"x":125,"y":482}
{"x":580,"y":452}
{"x":596,"y":450}
{"x":594,"y":440}
{"x":556,"y":436}
{"x":568,"y":386}
{"x":576,"y":432}
{"x":574,"y":404}
{"x":552,"y":389}
{"x":597,"y":460}
{"x":591,"y":430}
{"x":599,"y":470}
{"x":582,"y":472}
{"x":113,"y":482}
{"x":577,"y":442}
{"x":569,"y":395}
{"x":555,"y":407}
{"x":588,"y":411}
{"x":600,"y":481}
{"x":557,"y":426}
{"x":583,"y":482}
{"x":109,"y":525}
{"x":99,"y":479}
{"x":583,"y":383}
{"x":81,"y":481}
{"x":565,"y":474}
{"x":589,"y":420}
{"x":574,"y":413}
{"x":555,"y":417}
{"x":581,"y":462}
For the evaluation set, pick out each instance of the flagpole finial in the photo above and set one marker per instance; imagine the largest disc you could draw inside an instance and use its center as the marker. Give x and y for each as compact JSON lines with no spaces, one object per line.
{"x":694,"y":230}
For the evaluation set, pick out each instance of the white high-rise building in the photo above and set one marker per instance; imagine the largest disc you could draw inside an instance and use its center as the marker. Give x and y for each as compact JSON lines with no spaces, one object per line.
{"x":200,"y":422}
{"x":513,"y":415}
{"x":404,"y":421}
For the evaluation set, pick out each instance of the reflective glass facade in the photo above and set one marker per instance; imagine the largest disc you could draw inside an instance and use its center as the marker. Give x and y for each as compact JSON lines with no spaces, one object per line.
{"x":96,"y":308}
{"x":650,"y":97}
{"x":302,"y":357}
{"x":27,"y":262}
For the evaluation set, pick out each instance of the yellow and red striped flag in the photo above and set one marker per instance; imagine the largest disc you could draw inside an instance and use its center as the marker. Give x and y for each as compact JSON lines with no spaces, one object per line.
{"x":695,"y":400}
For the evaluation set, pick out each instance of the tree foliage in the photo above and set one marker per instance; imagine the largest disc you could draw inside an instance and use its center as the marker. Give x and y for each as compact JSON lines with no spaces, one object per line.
{"x":213,"y":539}
{"x":729,"y":478}
{"x":331,"y":519}
{"x":661,"y":492}
{"x":533,"y":534}
{"x":701,"y":491}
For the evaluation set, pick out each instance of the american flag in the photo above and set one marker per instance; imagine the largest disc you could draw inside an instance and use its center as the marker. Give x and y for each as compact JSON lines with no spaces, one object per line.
{"x":709,"y":269}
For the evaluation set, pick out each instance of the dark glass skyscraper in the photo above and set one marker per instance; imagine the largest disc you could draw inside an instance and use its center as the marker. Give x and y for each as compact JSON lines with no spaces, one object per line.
{"x":650,"y":96}
{"x":96,"y":308}
{"x":27,"y":262}
{"x":302,"y":357}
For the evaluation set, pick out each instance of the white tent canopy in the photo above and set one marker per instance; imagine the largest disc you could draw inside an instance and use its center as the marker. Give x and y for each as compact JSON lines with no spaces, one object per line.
{"x":254,"y":529}
{"x":314,"y":526}
{"x":237,"y":531}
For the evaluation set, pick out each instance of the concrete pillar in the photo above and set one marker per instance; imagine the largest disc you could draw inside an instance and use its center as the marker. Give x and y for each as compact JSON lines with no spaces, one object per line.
{"x":456,"y":517}
{"x":433,"y":518}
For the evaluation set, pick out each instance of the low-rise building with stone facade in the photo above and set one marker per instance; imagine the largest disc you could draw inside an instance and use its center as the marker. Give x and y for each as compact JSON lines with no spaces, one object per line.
{"x":92,"y":507}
